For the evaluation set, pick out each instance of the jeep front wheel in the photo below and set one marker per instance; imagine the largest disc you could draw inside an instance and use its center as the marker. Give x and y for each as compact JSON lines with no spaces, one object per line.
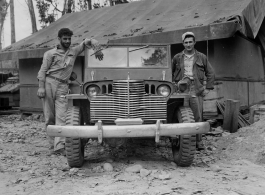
{"x":184,"y":147}
{"x":74,"y":147}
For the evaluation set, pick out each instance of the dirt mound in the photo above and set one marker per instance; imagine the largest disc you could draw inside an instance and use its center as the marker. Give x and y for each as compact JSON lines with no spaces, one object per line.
{"x":248,"y":143}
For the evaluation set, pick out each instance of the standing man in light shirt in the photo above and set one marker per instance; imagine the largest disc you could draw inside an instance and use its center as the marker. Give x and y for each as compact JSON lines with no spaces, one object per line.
{"x":195,"y":66}
{"x":53,"y":77}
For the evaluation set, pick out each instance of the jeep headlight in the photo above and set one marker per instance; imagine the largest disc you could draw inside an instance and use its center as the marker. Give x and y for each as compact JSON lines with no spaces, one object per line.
{"x":163,"y":90}
{"x":92,"y":91}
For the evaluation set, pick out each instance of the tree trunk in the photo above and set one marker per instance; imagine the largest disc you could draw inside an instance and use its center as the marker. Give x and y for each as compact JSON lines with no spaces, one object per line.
{"x":73,"y":3}
{"x":69,"y":6}
{"x":12,"y":21}
{"x":32,"y":16}
{"x":64,"y":7}
{"x":3,"y":11}
{"x":89,"y":3}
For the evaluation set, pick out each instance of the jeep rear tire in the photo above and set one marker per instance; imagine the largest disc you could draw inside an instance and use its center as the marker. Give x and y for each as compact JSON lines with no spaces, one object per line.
{"x":74,"y":147}
{"x":184,"y":147}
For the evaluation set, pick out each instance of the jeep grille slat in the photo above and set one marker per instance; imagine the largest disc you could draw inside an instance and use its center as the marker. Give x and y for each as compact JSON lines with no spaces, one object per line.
{"x":128,"y":100}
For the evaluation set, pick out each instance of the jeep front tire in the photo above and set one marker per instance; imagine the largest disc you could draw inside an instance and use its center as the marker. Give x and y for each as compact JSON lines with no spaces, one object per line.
{"x":74,"y":147}
{"x":184,"y":147}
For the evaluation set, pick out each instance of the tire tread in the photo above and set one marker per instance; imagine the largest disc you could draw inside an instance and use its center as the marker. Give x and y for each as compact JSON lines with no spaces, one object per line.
{"x":185,"y":154}
{"x":73,"y":146}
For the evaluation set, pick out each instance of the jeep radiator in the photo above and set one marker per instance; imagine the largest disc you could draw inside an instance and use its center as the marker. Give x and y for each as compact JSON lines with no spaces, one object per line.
{"x":128,"y":100}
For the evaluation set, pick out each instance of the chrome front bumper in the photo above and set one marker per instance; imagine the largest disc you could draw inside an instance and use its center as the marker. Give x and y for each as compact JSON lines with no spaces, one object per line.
{"x":129,"y":131}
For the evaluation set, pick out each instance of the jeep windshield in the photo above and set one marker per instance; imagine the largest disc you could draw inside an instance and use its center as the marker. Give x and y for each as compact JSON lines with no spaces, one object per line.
{"x":131,"y":57}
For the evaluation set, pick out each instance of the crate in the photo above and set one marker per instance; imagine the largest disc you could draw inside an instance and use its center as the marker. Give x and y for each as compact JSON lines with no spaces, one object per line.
{"x":209,"y":105}
{"x":256,"y":113}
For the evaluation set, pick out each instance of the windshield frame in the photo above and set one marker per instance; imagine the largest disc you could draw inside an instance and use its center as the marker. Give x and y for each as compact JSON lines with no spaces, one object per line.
{"x":88,"y":53}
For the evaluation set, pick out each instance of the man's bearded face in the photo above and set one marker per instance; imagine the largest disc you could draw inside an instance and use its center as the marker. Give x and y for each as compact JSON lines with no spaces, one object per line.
{"x":65,"y":41}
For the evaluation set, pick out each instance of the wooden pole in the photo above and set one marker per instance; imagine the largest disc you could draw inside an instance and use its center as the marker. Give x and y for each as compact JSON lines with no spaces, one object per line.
{"x":89,"y":3}
{"x":251,"y":114}
{"x":3,"y":11}
{"x":231,"y":115}
{"x":64,"y":7}
{"x":12,"y":20}
{"x":69,"y":6}
{"x":32,"y":16}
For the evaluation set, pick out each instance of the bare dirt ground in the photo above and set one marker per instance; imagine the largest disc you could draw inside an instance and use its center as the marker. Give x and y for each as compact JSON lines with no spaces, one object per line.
{"x":232,"y":164}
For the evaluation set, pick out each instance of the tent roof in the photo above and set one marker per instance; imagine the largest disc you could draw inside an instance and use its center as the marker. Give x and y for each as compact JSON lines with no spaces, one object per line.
{"x":148,"y":21}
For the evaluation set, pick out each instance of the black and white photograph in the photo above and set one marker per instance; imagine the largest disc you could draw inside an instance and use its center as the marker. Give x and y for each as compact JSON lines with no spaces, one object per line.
{"x":132,"y":97}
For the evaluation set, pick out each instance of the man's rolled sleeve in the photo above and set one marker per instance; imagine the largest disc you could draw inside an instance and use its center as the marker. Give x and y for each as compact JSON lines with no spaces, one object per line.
{"x":46,"y":63}
{"x":81,"y":47}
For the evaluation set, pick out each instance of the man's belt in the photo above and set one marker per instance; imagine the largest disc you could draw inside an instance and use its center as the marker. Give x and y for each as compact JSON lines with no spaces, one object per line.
{"x":57,"y":79}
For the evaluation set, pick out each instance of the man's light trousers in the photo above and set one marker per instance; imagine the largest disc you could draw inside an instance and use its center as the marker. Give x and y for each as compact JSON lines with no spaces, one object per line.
{"x":55,"y":108}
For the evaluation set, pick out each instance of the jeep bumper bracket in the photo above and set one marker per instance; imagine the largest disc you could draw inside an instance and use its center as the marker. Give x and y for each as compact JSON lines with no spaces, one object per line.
{"x":157,"y":138}
{"x":100,"y":132}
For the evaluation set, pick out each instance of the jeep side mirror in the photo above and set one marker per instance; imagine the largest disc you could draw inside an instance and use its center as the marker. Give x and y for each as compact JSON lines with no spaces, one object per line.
{"x":73,"y":76}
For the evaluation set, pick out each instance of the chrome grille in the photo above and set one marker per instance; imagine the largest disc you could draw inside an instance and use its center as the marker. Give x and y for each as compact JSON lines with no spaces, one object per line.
{"x":128,"y":100}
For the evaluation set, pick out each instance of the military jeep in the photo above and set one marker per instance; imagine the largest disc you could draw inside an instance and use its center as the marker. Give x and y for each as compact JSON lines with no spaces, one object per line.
{"x":130,"y":94}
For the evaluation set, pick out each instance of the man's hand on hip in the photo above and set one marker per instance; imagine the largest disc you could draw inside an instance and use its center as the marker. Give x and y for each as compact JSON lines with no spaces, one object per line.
{"x":41,"y":92}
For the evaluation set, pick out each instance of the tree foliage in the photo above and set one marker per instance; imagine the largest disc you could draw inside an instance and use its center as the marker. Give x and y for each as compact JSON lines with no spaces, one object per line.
{"x":120,"y":1}
{"x":43,"y":8}
{"x":85,"y":4}
{"x":3,"y":7}
{"x":48,"y":9}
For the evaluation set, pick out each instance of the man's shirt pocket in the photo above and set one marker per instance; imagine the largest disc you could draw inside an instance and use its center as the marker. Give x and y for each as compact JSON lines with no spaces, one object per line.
{"x":200,"y":69}
{"x":70,"y":58}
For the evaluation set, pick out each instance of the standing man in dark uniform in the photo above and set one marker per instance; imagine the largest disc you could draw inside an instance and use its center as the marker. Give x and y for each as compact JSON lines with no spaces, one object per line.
{"x":53,"y":79}
{"x":195,"y":66}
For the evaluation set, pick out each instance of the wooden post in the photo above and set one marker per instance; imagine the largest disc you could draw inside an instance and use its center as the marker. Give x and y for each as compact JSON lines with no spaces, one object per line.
{"x":251,"y":113}
{"x":32,"y":16}
{"x":231,"y":115}
{"x":89,"y":3}
{"x":111,"y":2}
{"x":12,"y":21}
